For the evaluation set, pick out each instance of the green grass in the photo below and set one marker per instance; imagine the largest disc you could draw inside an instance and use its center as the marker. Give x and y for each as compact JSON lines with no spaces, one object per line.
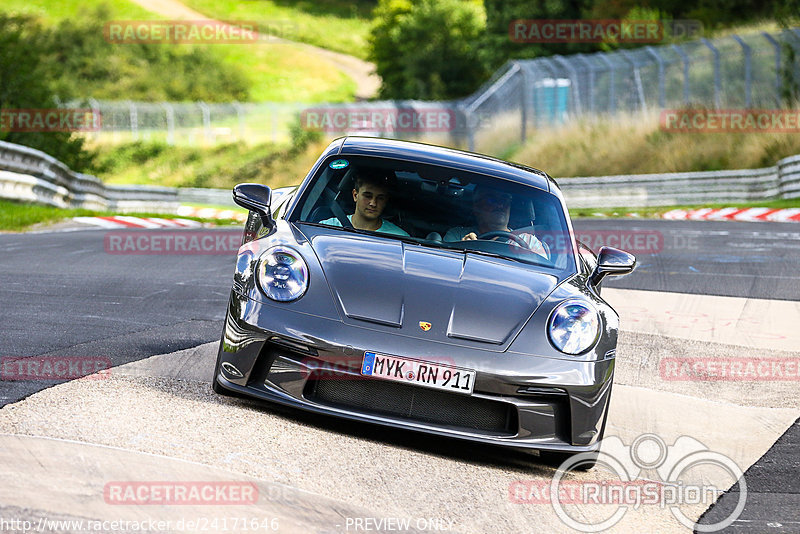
{"x":53,"y":12}
{"x":222,"y":166}
{"x":19,"y":216}
{"x":635,"y":144}
{"x":657,"y":212}
{"x":276,"y":72}
{"x":333,"y":24}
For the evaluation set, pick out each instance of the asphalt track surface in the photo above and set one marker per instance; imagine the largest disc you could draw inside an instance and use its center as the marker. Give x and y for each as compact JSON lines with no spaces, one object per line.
{"x":62,"y":294}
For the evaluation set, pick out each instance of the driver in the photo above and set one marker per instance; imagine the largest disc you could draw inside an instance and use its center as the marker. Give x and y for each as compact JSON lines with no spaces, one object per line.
{"x":371,"y":195}
{"x":492,"y":209}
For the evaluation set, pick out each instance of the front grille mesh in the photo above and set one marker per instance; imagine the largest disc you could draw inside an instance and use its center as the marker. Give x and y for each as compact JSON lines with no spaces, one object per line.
{"x":414,"y":403}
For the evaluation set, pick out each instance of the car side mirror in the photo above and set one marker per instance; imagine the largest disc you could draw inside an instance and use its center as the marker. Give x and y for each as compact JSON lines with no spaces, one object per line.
{"x":612,"y":261}
{"x":256,"y":198}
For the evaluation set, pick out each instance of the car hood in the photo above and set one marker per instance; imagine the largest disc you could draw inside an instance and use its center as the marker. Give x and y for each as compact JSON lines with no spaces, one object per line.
{"x":432,"y":294}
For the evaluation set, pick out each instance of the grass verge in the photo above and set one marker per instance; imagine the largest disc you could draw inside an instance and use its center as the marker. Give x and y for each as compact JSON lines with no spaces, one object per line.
{"x":223,"y":166}
{"x":635,"y":144}
{"x":656,"y":212}
{"x":20,"y":216}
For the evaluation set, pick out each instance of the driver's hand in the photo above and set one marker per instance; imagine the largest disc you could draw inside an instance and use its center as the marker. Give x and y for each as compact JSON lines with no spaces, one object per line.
{"x":469,"y":237}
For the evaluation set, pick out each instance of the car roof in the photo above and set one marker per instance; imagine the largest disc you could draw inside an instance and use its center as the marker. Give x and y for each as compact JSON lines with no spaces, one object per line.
{"x":447,"y":157}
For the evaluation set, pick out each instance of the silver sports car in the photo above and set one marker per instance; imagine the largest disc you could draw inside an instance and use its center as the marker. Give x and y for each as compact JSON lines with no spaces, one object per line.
{"x":427,"y":289}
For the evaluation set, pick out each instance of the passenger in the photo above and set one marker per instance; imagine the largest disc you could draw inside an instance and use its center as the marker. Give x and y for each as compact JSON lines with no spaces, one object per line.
{"x":371,"y":194}
{"x":492,"y":209}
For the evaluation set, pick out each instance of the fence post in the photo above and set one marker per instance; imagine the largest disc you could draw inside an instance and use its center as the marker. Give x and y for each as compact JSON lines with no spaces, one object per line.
{"x":502,"y":80}
{"x":134,"y":120}
{"x":470,"y":130}
{"x":662,"y":97}
{"x":748,"y":72}
{"x":240,"y":116}
{"x":590,"y":68}
{"x":612,"y":102}
{"x":777,"y":48}
{"x":96,"y":114}
{"x":794,"y":35}
{"x":685,"y":58}
{"x":170,"y":112}
{"x":575,"y":89}
{"x":206,"y":120}
{"x":717,"y":82}
{"x":637,"y":79}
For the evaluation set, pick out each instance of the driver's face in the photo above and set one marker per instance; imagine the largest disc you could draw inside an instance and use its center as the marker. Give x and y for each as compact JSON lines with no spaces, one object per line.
{"x":370,"y":201}
{"x":492,"y":211}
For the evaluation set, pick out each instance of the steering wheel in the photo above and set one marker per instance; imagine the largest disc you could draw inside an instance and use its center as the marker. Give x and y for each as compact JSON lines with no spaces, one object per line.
{"x":508,"y":235}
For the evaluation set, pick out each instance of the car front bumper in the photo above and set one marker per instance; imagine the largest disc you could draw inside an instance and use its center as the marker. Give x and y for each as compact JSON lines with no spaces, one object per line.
{"x":313,"y":363}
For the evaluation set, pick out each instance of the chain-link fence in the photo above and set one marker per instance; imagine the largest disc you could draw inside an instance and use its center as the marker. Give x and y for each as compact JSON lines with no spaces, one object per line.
{"x":759,"y":70}
{"x":193,"y":123}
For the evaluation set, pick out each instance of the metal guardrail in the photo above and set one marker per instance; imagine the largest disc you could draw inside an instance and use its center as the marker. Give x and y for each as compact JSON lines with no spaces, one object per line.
{"x":681,"y":188}
{"x":31,"y":175}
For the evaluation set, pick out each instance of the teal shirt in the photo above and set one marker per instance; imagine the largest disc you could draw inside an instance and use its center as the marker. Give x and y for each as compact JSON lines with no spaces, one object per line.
{"x":386,"y":226}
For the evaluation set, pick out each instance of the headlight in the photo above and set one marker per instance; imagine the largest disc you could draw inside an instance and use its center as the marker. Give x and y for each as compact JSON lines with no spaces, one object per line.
{"x":573,"y":327}
{"x":282,"y":274}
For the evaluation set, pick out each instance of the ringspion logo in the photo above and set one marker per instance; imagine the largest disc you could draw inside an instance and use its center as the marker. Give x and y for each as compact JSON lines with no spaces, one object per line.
{"x":647,"y":473}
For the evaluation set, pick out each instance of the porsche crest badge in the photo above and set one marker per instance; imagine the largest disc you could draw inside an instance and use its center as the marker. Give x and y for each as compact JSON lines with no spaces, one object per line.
{"x":425,"y":326}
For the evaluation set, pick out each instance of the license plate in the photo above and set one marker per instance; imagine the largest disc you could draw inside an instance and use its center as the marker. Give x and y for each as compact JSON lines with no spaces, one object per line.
{"x":418,"y":373}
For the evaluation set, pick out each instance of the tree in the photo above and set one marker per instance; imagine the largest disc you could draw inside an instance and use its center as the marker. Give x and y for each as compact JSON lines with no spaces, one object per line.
{"x":427,"y":49}
{"x":25,"y":84}
{"x":498,"y":47}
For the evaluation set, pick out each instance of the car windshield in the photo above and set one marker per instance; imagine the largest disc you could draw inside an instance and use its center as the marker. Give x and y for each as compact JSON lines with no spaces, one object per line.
{"x":439,"y":207}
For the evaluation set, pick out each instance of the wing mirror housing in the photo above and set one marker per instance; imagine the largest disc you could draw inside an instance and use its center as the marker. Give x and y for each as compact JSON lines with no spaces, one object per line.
{"x":256,"y":198}
{"x":612,"y":261}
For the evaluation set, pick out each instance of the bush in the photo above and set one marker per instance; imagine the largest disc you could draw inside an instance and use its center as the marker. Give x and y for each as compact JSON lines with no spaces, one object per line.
{"x":26,"y":83}
{"x":427,"y":49}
